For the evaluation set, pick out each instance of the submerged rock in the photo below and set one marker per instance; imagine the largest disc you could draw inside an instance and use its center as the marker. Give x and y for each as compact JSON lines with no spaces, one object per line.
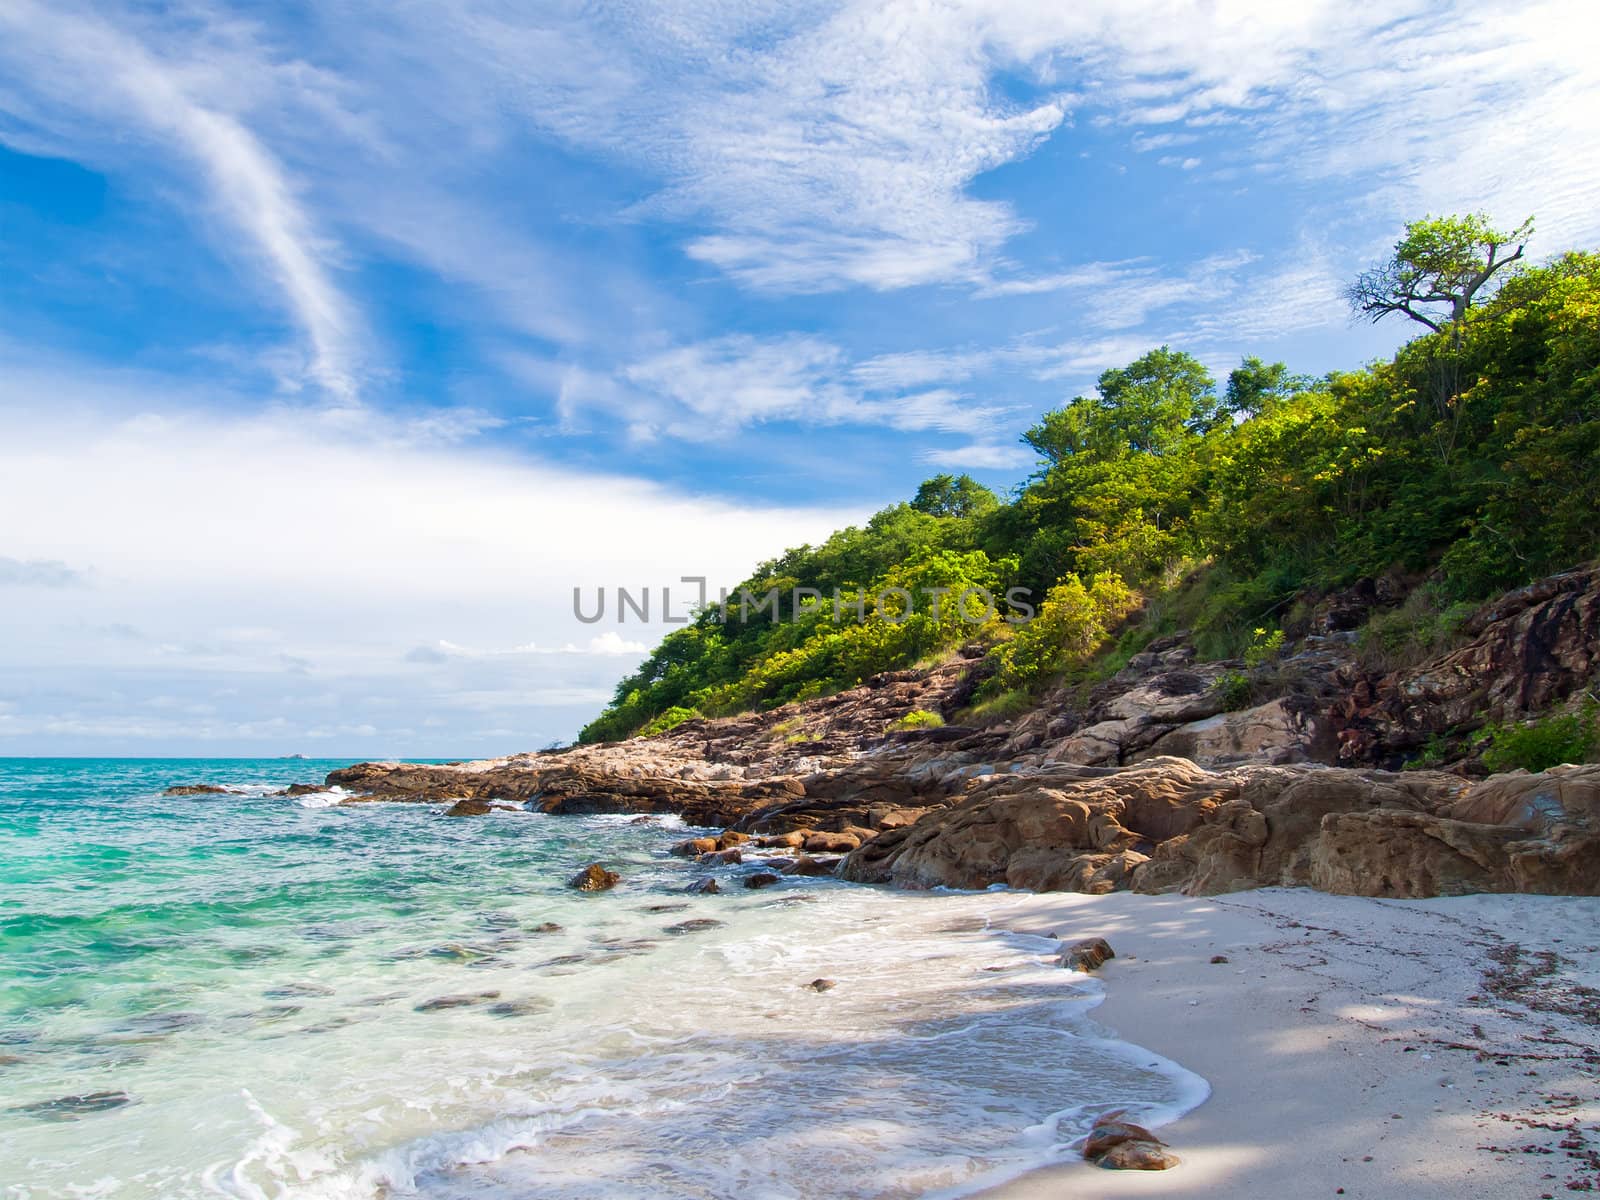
{"x":442,"y":1003}
{"x":70,"y":1108}
{"x":762,"y":879}
{"x":526,"y":1007}
{"x":696,"y":925}
{"x":199,"y":789}
{"x":594,"y":878}
{"x":703,"y":887}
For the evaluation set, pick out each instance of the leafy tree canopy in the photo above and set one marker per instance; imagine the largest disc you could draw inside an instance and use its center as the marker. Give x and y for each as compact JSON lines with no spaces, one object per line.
{"x":954,"y":496}
{"x":1219,"y":509}
{"x":1438,"y":269}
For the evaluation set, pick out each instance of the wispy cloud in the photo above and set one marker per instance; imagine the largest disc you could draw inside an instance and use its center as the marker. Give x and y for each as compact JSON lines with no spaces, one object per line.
{"x":979,"y":456}
{"x":838,"y":149}
{"x":72,"y":67}
{"x":711,"y":388}
{"x":1111,"y":296}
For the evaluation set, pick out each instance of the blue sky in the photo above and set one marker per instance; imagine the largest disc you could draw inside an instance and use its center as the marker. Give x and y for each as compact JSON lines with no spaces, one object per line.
{"x":338,"y":342}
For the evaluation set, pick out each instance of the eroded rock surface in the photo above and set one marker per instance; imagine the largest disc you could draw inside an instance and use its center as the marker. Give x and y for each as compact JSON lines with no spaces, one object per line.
{"x":1149,"y":782}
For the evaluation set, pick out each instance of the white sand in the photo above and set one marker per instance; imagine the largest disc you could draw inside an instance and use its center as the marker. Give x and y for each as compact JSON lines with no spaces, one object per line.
{"x":1339,"y":1042}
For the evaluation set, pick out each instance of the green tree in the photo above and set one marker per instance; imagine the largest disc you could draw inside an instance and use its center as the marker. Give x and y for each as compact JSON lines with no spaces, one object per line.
{"x":1150,"y":406}
{"x":1438,"y":269}
{"x":954,"y":496}
{"x":1253,"y":383}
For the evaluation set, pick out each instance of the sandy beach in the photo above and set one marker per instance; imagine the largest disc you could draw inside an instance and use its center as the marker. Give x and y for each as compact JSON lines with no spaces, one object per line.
{"x":1355,"y":1047}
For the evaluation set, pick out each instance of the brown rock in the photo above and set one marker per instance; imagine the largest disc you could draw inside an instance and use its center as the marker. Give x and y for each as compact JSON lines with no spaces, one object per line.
{"x":806,"y":865}
{"x":1087,"y":955}
{"x":469,"y":808}
{"x":793,"y":840}
{"x":703,"y":887}
{"x":1111,"y":1130}
{"x":1120,"y":1145}
{"x":594,"y":878}
{"x":1278,"y":732}
{"x":823,"y":985}
{"x":1028,"y":831}
{"x":762,"y":879}
{"x":832,"y":843}
{"x":198,"y":789}
{"x":722,"y":858}
{"x":1139,"y":1156}
{"x":695,"y":847}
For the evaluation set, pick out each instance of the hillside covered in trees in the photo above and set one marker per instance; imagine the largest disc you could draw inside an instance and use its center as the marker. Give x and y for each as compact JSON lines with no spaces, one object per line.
{"x":1169,"y":499}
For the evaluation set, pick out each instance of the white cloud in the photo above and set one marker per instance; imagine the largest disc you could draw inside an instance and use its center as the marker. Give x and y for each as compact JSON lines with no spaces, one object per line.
{"x":319,"y":555}
{"x":77,"y":68}
{"x":979,"y":456}
{"x":614,"y":643}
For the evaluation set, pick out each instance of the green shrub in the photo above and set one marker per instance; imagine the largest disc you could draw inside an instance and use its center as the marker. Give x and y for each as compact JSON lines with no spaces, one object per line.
{"x":1233,"y":689}
{"x":919,"y":718}
{"x":1070,"y":626}
{"x":1419,"y":629}
{"x":999,"y":707}
{"x":1435,"y":752}
{"x":1263,"y":648}
{"x":670,"y":719}
{"x":1538,"y":745}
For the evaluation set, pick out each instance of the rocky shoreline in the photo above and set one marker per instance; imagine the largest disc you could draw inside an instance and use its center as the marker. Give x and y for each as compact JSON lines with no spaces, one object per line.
{"x":1149,"y":783}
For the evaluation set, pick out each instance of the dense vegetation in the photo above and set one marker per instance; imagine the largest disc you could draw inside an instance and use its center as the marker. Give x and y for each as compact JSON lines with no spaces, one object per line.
{"x":1471,"y":456}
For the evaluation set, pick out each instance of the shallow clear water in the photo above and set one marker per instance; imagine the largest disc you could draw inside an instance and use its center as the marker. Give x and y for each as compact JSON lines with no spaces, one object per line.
{"x":261,"y":978}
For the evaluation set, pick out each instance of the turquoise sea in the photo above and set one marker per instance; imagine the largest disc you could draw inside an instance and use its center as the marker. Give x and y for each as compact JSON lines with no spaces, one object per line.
{"x":257,"y":996}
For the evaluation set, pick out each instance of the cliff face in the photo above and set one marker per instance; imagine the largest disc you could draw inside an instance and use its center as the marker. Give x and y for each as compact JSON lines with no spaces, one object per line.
{"x":1529,"y":650}
{"x":1150,"y":784}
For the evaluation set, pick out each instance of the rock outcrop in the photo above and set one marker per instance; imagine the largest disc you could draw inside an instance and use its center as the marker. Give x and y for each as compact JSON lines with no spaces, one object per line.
{"x":1167,"y":776}
{"x":1527,"y":652}
{"x":1168,"y":825}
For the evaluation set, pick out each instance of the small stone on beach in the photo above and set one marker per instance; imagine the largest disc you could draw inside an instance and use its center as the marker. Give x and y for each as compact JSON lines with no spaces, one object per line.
{"x":1087,"y":955}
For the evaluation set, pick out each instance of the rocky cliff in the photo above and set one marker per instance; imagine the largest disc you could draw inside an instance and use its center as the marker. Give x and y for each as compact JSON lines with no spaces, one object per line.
{"x":1148,"y":782}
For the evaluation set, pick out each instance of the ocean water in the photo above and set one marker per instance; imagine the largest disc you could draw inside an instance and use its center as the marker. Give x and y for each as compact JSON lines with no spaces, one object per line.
{"x":255,"y":996}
